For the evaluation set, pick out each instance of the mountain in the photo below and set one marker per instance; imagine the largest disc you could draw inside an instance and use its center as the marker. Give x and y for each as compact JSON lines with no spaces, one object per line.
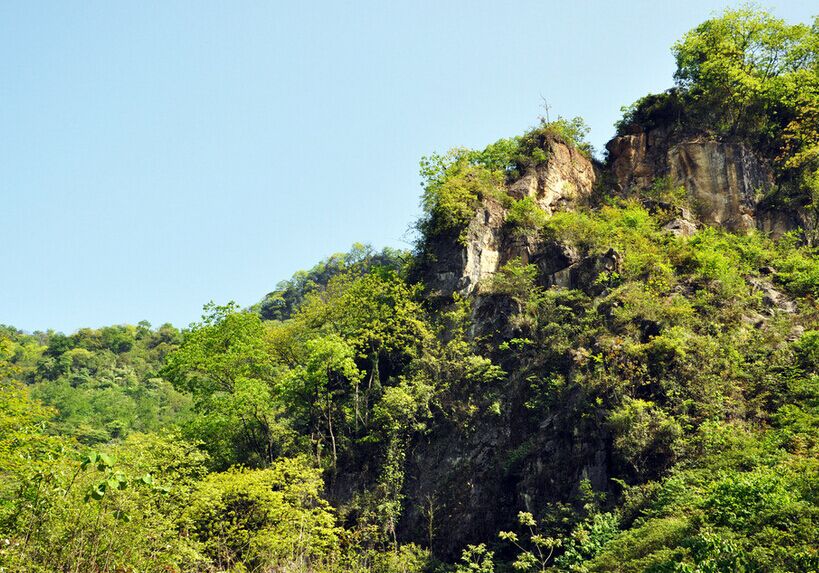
{"x":586,"y":364}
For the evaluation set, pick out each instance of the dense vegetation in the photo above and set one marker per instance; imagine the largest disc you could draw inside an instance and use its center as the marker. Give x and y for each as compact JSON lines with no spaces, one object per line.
{"x":282,"y":437}
{"x":747,"y":76}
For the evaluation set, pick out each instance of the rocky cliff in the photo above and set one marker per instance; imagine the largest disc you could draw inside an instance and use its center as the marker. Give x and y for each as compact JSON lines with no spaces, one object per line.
{"x":478,"y":480}
{"x":563,"y":181}
{"x":727,"y":183}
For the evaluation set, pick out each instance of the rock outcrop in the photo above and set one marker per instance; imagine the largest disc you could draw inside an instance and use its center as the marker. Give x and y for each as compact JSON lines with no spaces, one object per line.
{"x":565,"y":180}
{"x":725,"y":181}
{"x":472,"y":483}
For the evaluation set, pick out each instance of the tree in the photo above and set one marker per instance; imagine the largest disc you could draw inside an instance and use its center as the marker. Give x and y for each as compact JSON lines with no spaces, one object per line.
{"x":745,"y":69}
{"x":315,"y":387}
{"x":225,"y":363}
{"x":260,"y":518}
{"x":536,"y":553}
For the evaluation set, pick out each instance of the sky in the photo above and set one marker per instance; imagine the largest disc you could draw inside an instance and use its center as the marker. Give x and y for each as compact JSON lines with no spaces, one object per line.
{"x":155,"y":156}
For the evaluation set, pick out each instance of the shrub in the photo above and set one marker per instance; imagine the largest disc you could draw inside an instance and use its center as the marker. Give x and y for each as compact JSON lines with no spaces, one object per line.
{"x":259,"y":518}
{"x":645,"y":436}
{"x":534,"y":144}
{"x":526,"y":217}
{"x":514,"y":279}
{"x":453,"y":189}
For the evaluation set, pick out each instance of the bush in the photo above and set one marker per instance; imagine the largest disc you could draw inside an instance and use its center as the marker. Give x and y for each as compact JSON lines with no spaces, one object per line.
{"x":526,"y":217}
{"x":100,"y":513}
{"x":514,"y":279}
{"x":453,"y":189}
{"x":534,"y":144}
{"x":645,"y":436}
{"x":260,"y":518}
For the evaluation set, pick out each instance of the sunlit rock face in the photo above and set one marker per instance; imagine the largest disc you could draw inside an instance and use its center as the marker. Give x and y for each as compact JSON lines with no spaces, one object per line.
{"x":724,"y":181}
{"x":565,"y":180}
{"x":457,"y":265}
{"x":726,"y":184}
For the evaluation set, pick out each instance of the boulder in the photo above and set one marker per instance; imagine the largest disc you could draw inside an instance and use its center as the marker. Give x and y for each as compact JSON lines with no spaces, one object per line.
{"x":680,"y":227}
{"x":772,"y":298}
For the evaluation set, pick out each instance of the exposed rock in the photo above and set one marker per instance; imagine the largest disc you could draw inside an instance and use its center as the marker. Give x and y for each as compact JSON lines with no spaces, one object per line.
{"x":724,"y":181}
{"x":681,"y":227}
{"x":755,"y":319}
{"x":566,"y":179}
{"x":585,"y":275}
{"x":492,"y":315}
{"x":554,"y":262}
{"x":458,"y":266}
{"x":561,"y":265}
{"x":771,"y":297}
{"x":636,"y":159}
{"x":484,"y":245}
{"x":474,"y":482}
{"x":662,"y":207}
{"x":477,"y":481}
{"x":796,"y":333}
{"x":776,"y":220}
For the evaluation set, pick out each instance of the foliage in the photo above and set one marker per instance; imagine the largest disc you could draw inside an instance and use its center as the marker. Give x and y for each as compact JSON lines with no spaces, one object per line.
{"x":261,"y":518}
{"x":476,"y":559}
{"x":751,"y":77}
{"x":454,"y":185}
{"x":360,"y":259}
{"x":538,"y":550}
{"x":662,"y":415}
{"x":456,"y":182}
{"x":572,"y":132}
{"x":666,"y":194}
{"x":97,"y":513}
{"x":744,"y":67}
{"x":526,"y":217}
{"x":514,"y":279}
{"x":104,"y":383}
{"x":224,"y":364}
{"x":644,"y":435}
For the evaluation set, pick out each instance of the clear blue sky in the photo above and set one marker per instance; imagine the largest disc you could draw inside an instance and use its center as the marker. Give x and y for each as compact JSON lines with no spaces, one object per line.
{"x":157,"y":155}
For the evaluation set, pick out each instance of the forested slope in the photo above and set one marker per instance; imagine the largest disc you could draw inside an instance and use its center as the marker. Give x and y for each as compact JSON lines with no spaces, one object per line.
{"x":585,"y":364}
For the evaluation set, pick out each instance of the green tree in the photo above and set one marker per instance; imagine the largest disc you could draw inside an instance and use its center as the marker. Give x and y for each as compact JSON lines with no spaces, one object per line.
{"x":746,"y":68}
{"x":225,"y":362}
{"x":258,"y":519}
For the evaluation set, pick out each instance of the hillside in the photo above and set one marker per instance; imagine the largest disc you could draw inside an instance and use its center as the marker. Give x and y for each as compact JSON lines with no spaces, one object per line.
{"x":585,"y":364}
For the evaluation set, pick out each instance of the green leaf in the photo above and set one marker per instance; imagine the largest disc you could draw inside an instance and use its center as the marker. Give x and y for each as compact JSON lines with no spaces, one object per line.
{"x":89,"y":459}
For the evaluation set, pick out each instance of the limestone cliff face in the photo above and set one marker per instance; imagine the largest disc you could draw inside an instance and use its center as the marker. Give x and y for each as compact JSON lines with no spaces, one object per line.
{"x":724,"y":181}
{"x":484,"y":249}
{"x":565,"y":180}
{"x":477,"y":478}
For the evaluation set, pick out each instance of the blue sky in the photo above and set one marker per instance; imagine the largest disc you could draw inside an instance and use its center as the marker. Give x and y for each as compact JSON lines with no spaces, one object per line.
{"x":157,"y":155}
